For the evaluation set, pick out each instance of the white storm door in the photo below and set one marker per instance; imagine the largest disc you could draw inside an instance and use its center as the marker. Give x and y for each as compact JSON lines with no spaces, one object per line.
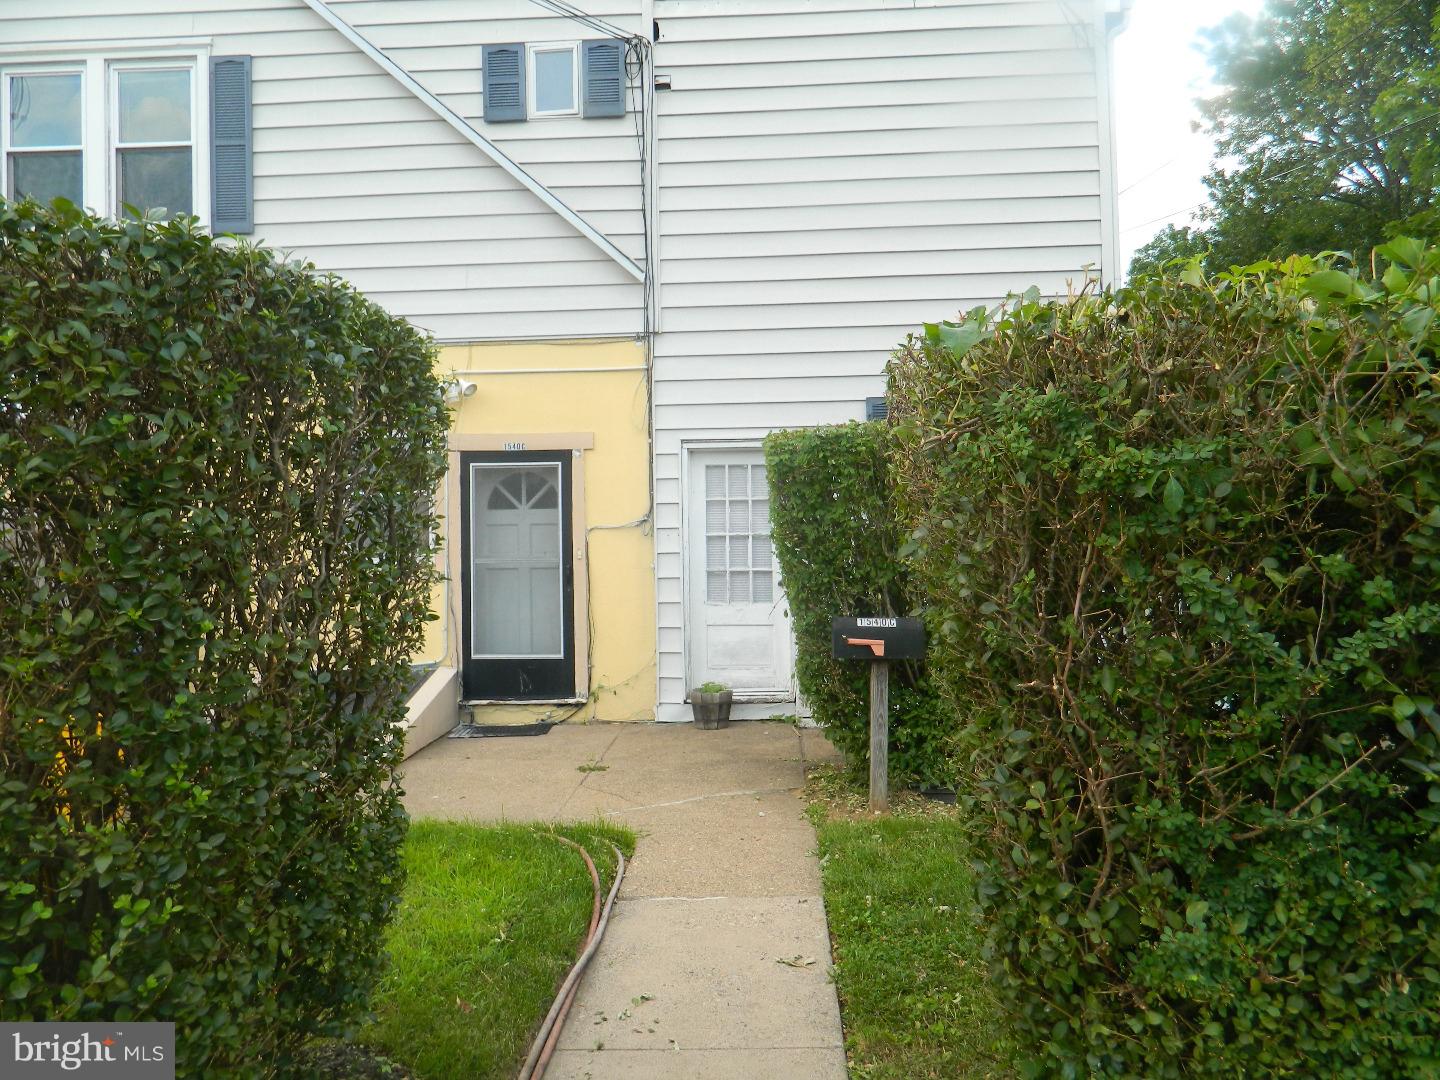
{"x":516,"y":574}
{"x":737,"y":619}
{"x":517,"y":578}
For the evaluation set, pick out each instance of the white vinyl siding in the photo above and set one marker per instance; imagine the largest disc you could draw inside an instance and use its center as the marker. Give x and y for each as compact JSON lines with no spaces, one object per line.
{"x":354,"y":173}
{"x":833,"y":173}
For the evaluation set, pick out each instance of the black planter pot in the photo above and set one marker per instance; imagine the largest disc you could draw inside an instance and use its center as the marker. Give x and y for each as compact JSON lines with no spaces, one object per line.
{"x":711,"y":710}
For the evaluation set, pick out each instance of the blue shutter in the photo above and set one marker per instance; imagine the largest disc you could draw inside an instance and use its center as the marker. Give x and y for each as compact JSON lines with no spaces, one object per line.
{"x":504,"y":78}
{"x":876,"y":408}
{"x":232,"y":185}
{"x":603,"y":74}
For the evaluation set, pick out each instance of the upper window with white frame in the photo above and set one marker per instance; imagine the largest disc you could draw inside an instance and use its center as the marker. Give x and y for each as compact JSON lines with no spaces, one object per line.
{"x":554,"y":79}
{"x":153,"y":136}
{"x":119,"y":136}
{"x":45,"y":135}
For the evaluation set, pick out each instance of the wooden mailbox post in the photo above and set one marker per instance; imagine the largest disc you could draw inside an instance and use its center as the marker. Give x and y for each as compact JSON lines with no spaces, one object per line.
{"x":878,"y":640}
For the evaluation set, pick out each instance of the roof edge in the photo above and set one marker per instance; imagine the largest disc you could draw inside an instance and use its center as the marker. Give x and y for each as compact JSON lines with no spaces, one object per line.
{"x":463,"y":127}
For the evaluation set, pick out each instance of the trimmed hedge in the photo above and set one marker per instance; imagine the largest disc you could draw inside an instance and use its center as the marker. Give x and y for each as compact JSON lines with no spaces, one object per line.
{"x":214,"y":568}
{"x":837,"y":541}
{"x":1182,"y":544}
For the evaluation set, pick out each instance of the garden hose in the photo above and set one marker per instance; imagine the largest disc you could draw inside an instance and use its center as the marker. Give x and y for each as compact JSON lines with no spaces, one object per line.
{"x":549,"y":1034}
{"x":594,"y":882}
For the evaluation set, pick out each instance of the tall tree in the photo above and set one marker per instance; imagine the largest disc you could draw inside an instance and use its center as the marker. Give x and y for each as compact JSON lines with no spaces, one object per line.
{"x":1323,"y":128}
{"x":1170,"y":243}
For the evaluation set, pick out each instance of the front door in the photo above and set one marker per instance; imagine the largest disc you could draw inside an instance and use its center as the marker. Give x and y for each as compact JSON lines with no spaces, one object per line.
{"x":518,"y":629}
{"x":738,"y":622}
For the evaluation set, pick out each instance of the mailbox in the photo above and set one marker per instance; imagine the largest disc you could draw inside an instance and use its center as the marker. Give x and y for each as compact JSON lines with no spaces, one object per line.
{"x":877,"y":638}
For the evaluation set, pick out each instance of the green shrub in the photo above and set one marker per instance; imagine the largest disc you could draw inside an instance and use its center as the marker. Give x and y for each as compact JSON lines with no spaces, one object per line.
{"x":1181,"y":543}
{"x":837,"y":542}
{"x":213,"y":572}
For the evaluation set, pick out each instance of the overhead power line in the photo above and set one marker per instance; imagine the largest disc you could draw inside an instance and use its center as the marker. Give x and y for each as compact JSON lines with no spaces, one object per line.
{"x":1296,"y":168}
{"x":594,"y":22}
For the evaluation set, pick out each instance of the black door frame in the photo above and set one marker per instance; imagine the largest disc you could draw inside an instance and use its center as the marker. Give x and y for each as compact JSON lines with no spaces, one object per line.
{"x":519,"y":678}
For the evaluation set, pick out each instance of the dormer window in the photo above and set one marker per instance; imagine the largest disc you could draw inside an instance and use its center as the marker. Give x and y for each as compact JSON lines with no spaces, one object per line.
{"x":554,"y":79}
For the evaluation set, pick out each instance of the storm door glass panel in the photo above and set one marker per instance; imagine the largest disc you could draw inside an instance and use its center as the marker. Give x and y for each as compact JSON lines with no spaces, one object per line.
{"x":43,"y":158}
{"x":155,"y":144}
{"x":516,"y":573}
{"x":739,"y":558}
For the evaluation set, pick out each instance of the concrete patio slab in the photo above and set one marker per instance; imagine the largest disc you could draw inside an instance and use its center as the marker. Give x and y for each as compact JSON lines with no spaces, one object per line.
{"x":708,"y":974}
{"x":723,"y":845}
{"x":522,"y":778}
{"x":678,"y":761}
{"x":716,"y":963}
{"x":724,"y":1064}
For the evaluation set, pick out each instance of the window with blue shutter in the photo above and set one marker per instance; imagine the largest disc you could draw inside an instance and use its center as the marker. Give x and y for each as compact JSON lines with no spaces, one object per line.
{"x":504,"y":82}
{"x":232,"y":185}
{"x":876,"y":408}
{"x":604,"y":78}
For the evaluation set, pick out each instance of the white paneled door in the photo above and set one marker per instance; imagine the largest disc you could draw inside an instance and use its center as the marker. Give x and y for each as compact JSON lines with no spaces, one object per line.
{"x":737,"y":619}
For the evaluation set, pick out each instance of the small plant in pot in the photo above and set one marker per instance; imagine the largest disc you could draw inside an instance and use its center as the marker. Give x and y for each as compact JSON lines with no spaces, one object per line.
{"x":710,"y":704}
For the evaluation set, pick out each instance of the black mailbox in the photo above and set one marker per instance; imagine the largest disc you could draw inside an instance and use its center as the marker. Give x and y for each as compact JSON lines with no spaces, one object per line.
{"x":878,"y":638}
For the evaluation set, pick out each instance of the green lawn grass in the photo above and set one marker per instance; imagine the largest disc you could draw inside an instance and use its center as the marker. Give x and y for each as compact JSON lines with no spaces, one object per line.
{"x":491,"y":919}
{"x":915,"y":995}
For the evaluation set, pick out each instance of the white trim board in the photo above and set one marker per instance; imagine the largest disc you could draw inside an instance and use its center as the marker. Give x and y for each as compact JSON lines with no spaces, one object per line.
{"x":489,"y":149}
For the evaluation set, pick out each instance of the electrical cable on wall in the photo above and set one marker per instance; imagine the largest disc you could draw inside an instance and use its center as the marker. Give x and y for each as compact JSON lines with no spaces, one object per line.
{"x":638,"y":54}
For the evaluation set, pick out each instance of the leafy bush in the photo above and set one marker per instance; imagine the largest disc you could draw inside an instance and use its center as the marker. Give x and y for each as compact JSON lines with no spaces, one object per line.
{"x":213,"y":572}
{"x":1182,"y":545}
{"x":837,"y":541}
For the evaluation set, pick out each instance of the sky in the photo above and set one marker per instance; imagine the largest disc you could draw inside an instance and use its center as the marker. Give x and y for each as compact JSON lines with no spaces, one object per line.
{"x":1158,"y":73}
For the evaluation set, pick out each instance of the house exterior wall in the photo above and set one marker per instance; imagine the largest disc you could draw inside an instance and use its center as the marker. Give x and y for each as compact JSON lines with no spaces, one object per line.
{"x":353,"y":172}
{"x":828,"y":173}
{"x":832,"y":173}
{"x":555,"y":395}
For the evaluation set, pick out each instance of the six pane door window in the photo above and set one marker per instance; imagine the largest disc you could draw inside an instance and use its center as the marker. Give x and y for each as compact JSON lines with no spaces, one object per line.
{"x":739,"y":558}
{"x":45,"y":155}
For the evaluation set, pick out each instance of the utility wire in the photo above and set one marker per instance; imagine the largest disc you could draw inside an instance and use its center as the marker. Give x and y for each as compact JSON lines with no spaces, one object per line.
{"x":1374,"y":24}
{"x":637,"y":51}
{"x":1328,"y":55}
{"x":570,"y":11}
{"x":1153,"y":172}
{"x":639,"y":93}
{"x":1297,"y":168}
{"x":556,"y":9}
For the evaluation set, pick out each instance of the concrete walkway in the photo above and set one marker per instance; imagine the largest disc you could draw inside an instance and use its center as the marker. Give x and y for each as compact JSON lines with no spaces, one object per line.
{"x":716,"y":962}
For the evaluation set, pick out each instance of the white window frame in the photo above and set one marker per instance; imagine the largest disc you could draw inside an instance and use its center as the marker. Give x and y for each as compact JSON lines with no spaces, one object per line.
{"x":99,"y":112}
{"x":11,"y":72}
{"x":531,"y":84}
{"x":113,"y":145}
{"x":520,"y":462}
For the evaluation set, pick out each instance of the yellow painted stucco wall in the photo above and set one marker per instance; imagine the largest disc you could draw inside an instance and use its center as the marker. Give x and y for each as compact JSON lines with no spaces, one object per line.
{"x":590,"y":388}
